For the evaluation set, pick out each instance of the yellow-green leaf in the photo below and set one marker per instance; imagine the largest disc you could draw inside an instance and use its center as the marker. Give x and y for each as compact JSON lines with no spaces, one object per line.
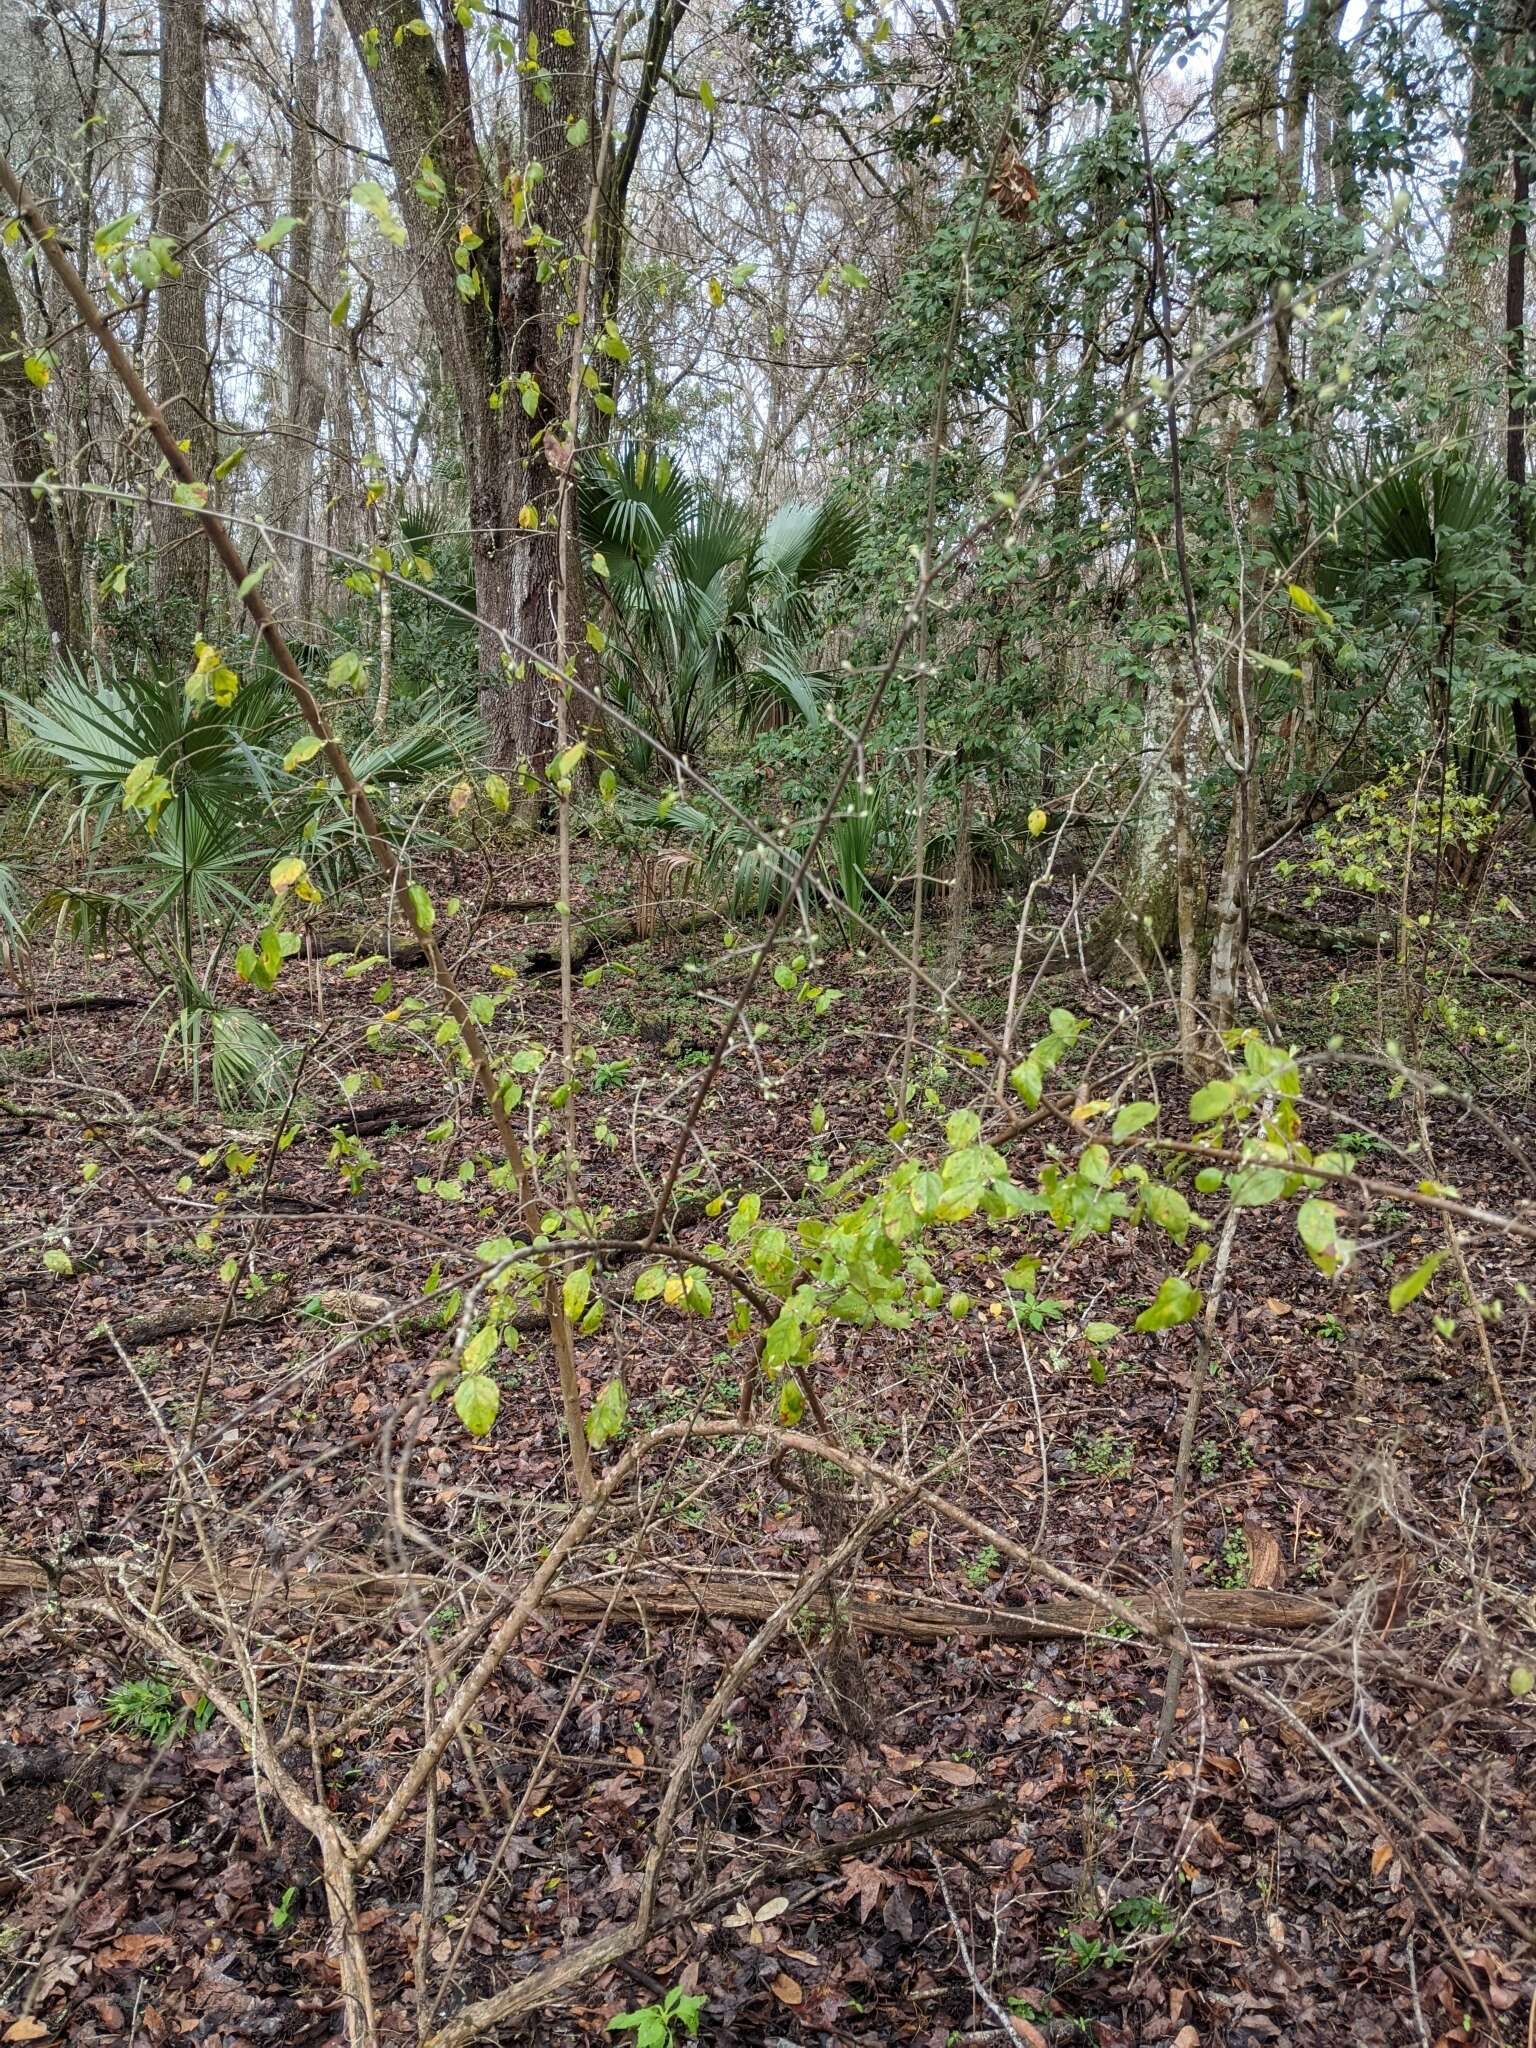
{"x":476,"y":1400}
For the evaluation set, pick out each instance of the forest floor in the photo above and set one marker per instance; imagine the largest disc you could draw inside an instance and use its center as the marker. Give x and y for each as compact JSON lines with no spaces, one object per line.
{"x":1340,"y":1846}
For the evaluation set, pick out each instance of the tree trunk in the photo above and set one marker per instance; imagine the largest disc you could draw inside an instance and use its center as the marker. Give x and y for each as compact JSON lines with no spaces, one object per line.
{"x":1515,"y":410}
{"x":301,"y":399}
{"x":1245,"y":101}
{"x":183,"y":379}
{"x":25,"y":424}
{"x":499,"y":307}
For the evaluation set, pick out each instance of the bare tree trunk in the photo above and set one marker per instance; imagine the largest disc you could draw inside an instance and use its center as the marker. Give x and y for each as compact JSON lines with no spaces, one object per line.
{"x":25,"y":424}
{"x":499,"y":309}
{"x":1245,"y":101}
{"x":183,"y":371}
{"x":1515,"y":408}
{"x":302,"y":391}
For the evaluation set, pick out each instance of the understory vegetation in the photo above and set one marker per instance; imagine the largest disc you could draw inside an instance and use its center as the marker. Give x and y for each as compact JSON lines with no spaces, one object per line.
{"x":767,"y":1048}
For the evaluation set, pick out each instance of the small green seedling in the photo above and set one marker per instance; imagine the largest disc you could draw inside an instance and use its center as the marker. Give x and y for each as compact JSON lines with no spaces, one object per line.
{"x":653,"y":2025}
{"x":143,"y":1706}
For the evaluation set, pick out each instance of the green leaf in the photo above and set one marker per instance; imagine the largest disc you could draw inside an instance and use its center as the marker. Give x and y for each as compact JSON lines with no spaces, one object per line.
{"x":608,"y":1414}
{"x":1168,"y":1210}
{"x":577,"y":1292}
{"x":706,"y":96}
{"x":280,"y":229}
{"x":480,"y":1350}
{"x":374,"y":200}
{"x":346,"y":672}
{"x":648,"y":1287}
{"x":1027,"y":1081}
{"x":57,"y":1261}
{"x":963,"y":1128}
{"x":1211,"y":1101}
{"x":791,"y":1401}
{"x":1255,"y":1186}
{"x":421,"y":907}
{"x":1175,"y":1302}
{"x":1317,"y":1225}
{"x":302,"y":751}
{"x":1134,"y":1117}
{"x":1413,"y":1284}
{"x":476,"y":1400}
{"x":783,"y":1340}
{"x":1093,"y":1166}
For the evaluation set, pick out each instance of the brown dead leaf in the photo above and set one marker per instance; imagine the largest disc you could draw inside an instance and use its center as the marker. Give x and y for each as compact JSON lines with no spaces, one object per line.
{"x":786,"y":1990}
{"x":861,"y":1881}
{"x":1186,"y":2037}
{"x":635,"y":1756}
{"x":1029,"y":2033}
{"x":1381,"y":1855}
{"x":25,"y":2029}
{"x":130,"y":1949}
{"x":958,"y":1775}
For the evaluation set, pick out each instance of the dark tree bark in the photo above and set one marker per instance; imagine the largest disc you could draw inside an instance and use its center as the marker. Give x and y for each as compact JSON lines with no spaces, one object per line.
{"x":183,"y":378}
{"x":28,"y":458}
{"x":1516,"y":405}
{"x":509,"y":336}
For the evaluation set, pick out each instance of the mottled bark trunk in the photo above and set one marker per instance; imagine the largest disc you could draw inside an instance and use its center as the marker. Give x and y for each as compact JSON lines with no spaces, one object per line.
{"x":1246,"y":100}
{"x":302,"y":373}
{"x":1516,"y":405}
{"x":182,"y":367}
{"x":25,"y":423}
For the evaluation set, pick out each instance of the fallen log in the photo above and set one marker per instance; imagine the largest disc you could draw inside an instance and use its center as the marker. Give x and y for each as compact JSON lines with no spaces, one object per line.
{"x":664,"y":1597}
{"x":185,"y":1319}
{"x":44,"y":1007}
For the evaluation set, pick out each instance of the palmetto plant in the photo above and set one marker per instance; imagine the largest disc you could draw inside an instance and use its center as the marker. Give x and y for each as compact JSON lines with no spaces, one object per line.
{"x":1424,"y":544}
{"x":708,"y":608}
{"x":181,"y":885}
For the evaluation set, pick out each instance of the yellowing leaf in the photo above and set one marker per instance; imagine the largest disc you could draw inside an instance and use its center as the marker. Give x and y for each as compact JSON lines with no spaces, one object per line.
{"x":1413,"y":1284}
{"x":1037,"y":822}
{"x":577,"y":1291}
{"x":608,"y":1414}
{"x":1304,"y":601}
{"x":476,"y":1400}
{"x":282,"y":227}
